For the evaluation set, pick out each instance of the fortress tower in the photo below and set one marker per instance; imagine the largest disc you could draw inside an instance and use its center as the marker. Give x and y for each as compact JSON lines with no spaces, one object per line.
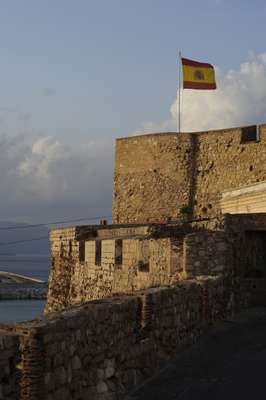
{"x":185,"y":205}
{"x":159,"y":177}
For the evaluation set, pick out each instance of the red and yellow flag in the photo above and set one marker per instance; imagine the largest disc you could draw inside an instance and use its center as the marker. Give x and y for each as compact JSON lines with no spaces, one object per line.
{"x":198,"y":75}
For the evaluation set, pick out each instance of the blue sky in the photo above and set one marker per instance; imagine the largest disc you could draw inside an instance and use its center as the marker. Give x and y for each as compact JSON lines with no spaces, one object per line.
{"x":105,"y":67}
{"x":76,"y":74}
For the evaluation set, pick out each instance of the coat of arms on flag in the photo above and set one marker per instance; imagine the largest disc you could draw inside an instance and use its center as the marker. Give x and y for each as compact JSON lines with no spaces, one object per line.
{"x":198,"y":75}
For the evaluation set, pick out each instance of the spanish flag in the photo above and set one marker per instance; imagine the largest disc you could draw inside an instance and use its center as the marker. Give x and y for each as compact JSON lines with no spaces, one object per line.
{"x":198,"y":75}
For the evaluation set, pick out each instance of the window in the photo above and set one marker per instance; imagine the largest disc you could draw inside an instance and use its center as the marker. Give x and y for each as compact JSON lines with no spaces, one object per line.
{"x":70,"y":248}
{"x":82,"y":250}
{"x":118,"y":252}
{"x":98,"y":252}
{"x":143,"y":266}
{"x":61,"y":252}
{"x":249,"y":134}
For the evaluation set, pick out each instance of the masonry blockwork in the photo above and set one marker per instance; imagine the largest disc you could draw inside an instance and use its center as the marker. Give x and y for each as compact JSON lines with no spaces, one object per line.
{"x":104,"y":349}
{"x":162,"y":176}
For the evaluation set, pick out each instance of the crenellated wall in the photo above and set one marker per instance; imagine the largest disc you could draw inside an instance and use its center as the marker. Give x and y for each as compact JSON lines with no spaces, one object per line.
{"x":96,"y":262}
{"x":76,"y":276}
{"x":158,"y":174}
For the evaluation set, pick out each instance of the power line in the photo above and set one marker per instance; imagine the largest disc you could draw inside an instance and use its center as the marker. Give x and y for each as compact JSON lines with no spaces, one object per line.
{"x":46,"y":237}
{"x":4,"y":228}
{"x":23,"y":241}
{"x":48,"y":223}
{"x":25,"y":260}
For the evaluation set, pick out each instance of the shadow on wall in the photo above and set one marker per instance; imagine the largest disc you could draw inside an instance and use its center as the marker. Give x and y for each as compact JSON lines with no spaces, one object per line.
{"x":108,"y":347}
{"x":193,"y":174}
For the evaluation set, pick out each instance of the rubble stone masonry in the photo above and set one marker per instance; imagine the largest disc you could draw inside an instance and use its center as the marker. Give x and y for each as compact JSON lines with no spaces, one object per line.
{"x":75,"y":276}
{"x":103,"y":349}
{"x":155,"y":255}
{"x":159,"y":176}
{"x":207,"y":253}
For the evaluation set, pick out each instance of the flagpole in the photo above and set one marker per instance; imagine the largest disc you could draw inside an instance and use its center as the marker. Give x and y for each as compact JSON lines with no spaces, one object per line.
{"x":179,"y":91}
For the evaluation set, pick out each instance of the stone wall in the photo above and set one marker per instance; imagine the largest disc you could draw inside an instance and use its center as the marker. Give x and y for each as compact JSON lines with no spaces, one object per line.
{"x":65,"y":255}
{"x":9,"y":372}
{"x":157,"y":175}
{"x":105,"y":348}
{"x":207,"y":253}
{"x":167,"y":255}
{"x":76,"y":278}
{"x":157,"y":255}
{"x":246,"y":232}
{"x":152,"y":174}
{"x":237,"y":223}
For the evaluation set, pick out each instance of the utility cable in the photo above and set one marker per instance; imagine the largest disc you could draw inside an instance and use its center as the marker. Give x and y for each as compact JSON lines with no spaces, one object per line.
{"x":4,"y":228}
{"x":23,"y":241}
{"x":26,"y":260}
{"x":173,"y":222}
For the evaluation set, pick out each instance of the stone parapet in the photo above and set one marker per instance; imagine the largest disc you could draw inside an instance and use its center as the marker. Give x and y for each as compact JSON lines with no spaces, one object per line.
{"x":103,"y":349}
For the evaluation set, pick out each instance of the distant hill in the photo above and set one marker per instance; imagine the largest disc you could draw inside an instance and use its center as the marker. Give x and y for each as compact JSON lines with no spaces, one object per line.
{"x":40,"y":247}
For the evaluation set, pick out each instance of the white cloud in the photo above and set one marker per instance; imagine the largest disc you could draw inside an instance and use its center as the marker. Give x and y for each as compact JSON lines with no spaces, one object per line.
{"x":47,"y":178}
{"x":239,"y":100}
{"x":45,"y":153}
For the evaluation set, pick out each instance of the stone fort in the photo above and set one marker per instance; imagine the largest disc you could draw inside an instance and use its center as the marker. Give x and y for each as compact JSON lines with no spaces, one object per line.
{"x":186,"y":247}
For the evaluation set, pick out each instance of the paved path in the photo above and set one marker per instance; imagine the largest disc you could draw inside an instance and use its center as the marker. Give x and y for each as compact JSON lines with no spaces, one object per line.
{"x":230,"y":363}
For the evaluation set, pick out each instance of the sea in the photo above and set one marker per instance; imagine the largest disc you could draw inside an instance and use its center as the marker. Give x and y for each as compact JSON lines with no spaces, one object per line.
{"x":32,"y":265}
